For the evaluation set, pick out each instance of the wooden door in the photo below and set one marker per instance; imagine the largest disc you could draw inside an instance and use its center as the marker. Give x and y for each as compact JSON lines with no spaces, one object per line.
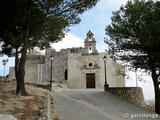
{"x":90,"y":80}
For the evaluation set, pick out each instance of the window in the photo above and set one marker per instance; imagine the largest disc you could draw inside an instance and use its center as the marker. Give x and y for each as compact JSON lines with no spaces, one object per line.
{"x":90,"y":64}
{"x":66,"y":74}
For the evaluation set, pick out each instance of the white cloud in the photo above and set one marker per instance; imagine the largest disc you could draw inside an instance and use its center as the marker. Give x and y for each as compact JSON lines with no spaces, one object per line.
{"x":111,"y":4}
{"x":69,"y":41}
{"x":117,"y":2}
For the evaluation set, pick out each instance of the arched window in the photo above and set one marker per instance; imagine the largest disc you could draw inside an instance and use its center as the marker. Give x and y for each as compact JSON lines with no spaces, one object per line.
{"x":90,"y":49}
{"x":66,"y":74}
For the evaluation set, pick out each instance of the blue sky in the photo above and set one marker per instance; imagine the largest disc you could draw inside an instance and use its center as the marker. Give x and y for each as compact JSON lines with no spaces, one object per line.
{"x":96,"y":20}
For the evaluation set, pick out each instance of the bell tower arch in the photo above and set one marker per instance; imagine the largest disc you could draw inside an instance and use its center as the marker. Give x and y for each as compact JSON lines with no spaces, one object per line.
{"x":90,"y":43}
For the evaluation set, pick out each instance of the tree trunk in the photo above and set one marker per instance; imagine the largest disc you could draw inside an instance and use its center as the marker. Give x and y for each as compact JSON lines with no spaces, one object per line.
{"x":20,"y":72}
{"x":157,"y":91}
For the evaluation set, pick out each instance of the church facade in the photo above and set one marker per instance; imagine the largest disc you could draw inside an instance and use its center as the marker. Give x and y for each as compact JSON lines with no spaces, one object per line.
{"x":81,"y":67}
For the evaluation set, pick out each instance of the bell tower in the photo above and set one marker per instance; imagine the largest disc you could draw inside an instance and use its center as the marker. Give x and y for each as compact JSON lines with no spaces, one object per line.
{"x":90,"y":43}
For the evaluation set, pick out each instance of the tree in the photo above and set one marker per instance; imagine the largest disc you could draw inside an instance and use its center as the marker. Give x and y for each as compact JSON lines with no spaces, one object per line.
{"x":134,"y":38}
{"x":29,"y":23}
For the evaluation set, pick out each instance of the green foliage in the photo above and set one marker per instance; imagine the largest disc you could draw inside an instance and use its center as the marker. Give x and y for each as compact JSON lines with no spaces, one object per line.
{"x":134,"y":33}
{"x":30,"y":23}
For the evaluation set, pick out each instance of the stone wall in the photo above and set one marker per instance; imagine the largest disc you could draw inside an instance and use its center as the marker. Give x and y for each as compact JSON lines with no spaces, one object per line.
{"x":2,"y":78}
{"x":110,"y":70}
{"x":45,"y":109}
{"x":60,"y":63}
{"x":73,"y":63}
{"x":78,"y":67}
{"x":131,"y":94}
{"x":35,"y":59}
{"x":74,"y":71}
{"x":120,"y":74}
{"x":33,"y":69}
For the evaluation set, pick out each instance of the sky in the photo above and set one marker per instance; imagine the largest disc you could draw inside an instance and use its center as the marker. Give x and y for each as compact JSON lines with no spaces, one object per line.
{"x":95,"y":19}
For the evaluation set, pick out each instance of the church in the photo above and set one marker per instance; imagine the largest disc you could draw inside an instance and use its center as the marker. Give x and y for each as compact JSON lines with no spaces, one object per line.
{"x":82,"y":67}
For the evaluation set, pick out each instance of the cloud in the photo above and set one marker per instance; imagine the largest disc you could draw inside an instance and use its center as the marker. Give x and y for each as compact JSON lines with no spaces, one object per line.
{"x":110,"y":4}
{"x":116,"y":2}
{"x":69,"y":41}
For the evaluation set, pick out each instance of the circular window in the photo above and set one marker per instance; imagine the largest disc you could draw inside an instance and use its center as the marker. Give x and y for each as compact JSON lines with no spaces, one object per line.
{"x":90,"y":64}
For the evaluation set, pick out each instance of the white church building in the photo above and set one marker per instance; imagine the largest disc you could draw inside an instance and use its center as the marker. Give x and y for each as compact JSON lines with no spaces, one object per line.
{"x":81,"y":67}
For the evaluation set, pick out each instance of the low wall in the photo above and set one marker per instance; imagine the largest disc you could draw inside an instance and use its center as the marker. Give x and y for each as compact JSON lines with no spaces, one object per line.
{"x":131,"y":94}
{"x":33,"y":74}
{"x":5,"y":79}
